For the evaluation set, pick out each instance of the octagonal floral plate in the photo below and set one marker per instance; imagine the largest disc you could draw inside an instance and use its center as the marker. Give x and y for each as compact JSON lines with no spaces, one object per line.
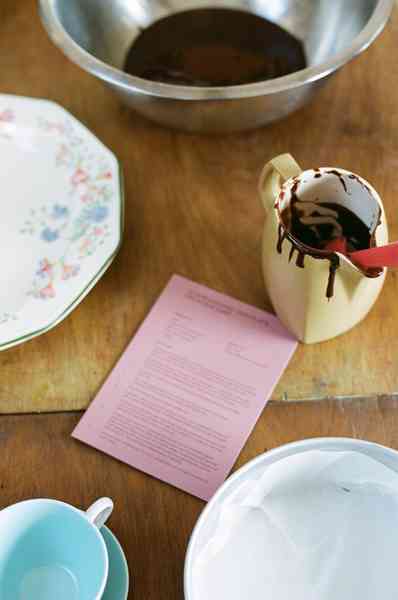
{"x":61,"y":219}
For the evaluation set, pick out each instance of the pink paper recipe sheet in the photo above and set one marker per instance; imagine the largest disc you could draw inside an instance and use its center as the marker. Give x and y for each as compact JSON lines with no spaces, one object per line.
{"x":188,"y":390}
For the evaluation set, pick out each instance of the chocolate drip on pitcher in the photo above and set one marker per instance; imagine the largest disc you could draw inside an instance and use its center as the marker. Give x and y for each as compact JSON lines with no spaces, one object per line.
{"x":334,"y":265}
{"x":333,"y":259}
{"x":362,"y":183}
{"x":282,"y":235}
{"x":340,"y":177}
{"x":300,"y":259}
{"x":300,"y":256}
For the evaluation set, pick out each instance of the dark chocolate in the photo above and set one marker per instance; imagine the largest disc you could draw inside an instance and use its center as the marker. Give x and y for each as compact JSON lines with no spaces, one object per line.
{"x":355,"y":231}
{"x":214,"y":47}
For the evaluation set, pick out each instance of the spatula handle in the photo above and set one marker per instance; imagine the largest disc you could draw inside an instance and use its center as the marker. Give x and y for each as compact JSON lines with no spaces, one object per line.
{"x":381,"y":256}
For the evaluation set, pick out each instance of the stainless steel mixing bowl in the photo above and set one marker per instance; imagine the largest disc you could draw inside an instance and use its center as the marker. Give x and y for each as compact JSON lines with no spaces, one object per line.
{"x":96,"y":34}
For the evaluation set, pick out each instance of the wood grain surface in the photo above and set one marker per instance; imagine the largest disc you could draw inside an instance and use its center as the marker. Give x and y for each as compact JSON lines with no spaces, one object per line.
{"x":152,"y":520}
{"x":192,"y":208}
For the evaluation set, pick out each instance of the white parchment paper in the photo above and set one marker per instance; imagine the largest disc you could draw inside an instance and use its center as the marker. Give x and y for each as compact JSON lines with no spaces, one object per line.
{"x":317,"y":525}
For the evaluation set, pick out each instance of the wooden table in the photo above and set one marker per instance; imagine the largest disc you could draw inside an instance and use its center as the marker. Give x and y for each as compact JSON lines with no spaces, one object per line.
{"x":152,"y":520}
{"x":192,"y":208}
{"x":198,"y":216}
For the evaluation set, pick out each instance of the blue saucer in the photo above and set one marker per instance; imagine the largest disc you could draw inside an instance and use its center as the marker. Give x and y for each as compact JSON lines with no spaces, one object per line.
{"x":117,"y":587}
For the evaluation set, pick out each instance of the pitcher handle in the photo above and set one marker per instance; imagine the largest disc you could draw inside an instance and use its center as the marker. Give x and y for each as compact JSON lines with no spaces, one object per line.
{"x":275,"y":172}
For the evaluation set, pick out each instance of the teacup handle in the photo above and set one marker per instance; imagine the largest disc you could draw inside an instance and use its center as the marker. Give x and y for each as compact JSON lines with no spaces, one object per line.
{"x":279,"y":169}
{"x":99,"y":512}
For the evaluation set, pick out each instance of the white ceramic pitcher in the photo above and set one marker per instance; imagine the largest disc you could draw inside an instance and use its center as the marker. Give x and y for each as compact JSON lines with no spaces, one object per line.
{"x":315,"y":293}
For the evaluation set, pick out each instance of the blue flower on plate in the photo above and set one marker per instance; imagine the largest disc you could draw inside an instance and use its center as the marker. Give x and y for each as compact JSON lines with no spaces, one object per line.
{"x":49,"y":235}
{"x":97,"y":214}
{"x":59,"y":211}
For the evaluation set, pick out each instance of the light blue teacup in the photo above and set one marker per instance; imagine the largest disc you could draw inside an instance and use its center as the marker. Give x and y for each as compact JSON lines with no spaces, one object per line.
{"x":50,"y":550}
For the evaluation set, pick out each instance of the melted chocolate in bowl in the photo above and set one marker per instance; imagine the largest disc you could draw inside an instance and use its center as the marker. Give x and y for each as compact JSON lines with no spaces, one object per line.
{"x":343,"y":223}
{"x":311,"y":225}
{"x":214,"y":47}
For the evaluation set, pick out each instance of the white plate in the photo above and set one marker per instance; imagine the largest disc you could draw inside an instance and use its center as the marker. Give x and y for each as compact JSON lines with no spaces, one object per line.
{"x":253,"y":470}
{"x":61,"y":215}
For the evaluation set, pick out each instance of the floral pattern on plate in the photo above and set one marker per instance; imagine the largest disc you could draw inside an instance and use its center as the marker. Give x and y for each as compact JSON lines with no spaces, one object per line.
{"x":62,"y":215}
{"x":83,"y":229}
{"x":6,"y":118}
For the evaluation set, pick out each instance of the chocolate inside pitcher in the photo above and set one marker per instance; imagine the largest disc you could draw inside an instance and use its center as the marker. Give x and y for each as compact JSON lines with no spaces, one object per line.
{"x":324,"y":205}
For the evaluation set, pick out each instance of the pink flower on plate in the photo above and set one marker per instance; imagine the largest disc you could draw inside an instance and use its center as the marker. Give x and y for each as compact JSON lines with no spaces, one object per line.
{"x":106,"y":175}
{"x":59,"y":127}
{"x":69,"y":271}
{"x":45,"y":267}
{"x":87,"y":198}
{"x":85,"y":246}
{"x":79,"y":176}
{"x":63,"y":152}
{"x":98,"y":231}
{"x":54,"y":126}
{"x":47,"y":292}
{"x":6,"y":116}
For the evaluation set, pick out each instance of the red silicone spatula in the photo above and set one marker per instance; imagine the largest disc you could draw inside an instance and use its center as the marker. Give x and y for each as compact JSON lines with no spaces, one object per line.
{"x":380,"y":256}
{"x":337,"y":245}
